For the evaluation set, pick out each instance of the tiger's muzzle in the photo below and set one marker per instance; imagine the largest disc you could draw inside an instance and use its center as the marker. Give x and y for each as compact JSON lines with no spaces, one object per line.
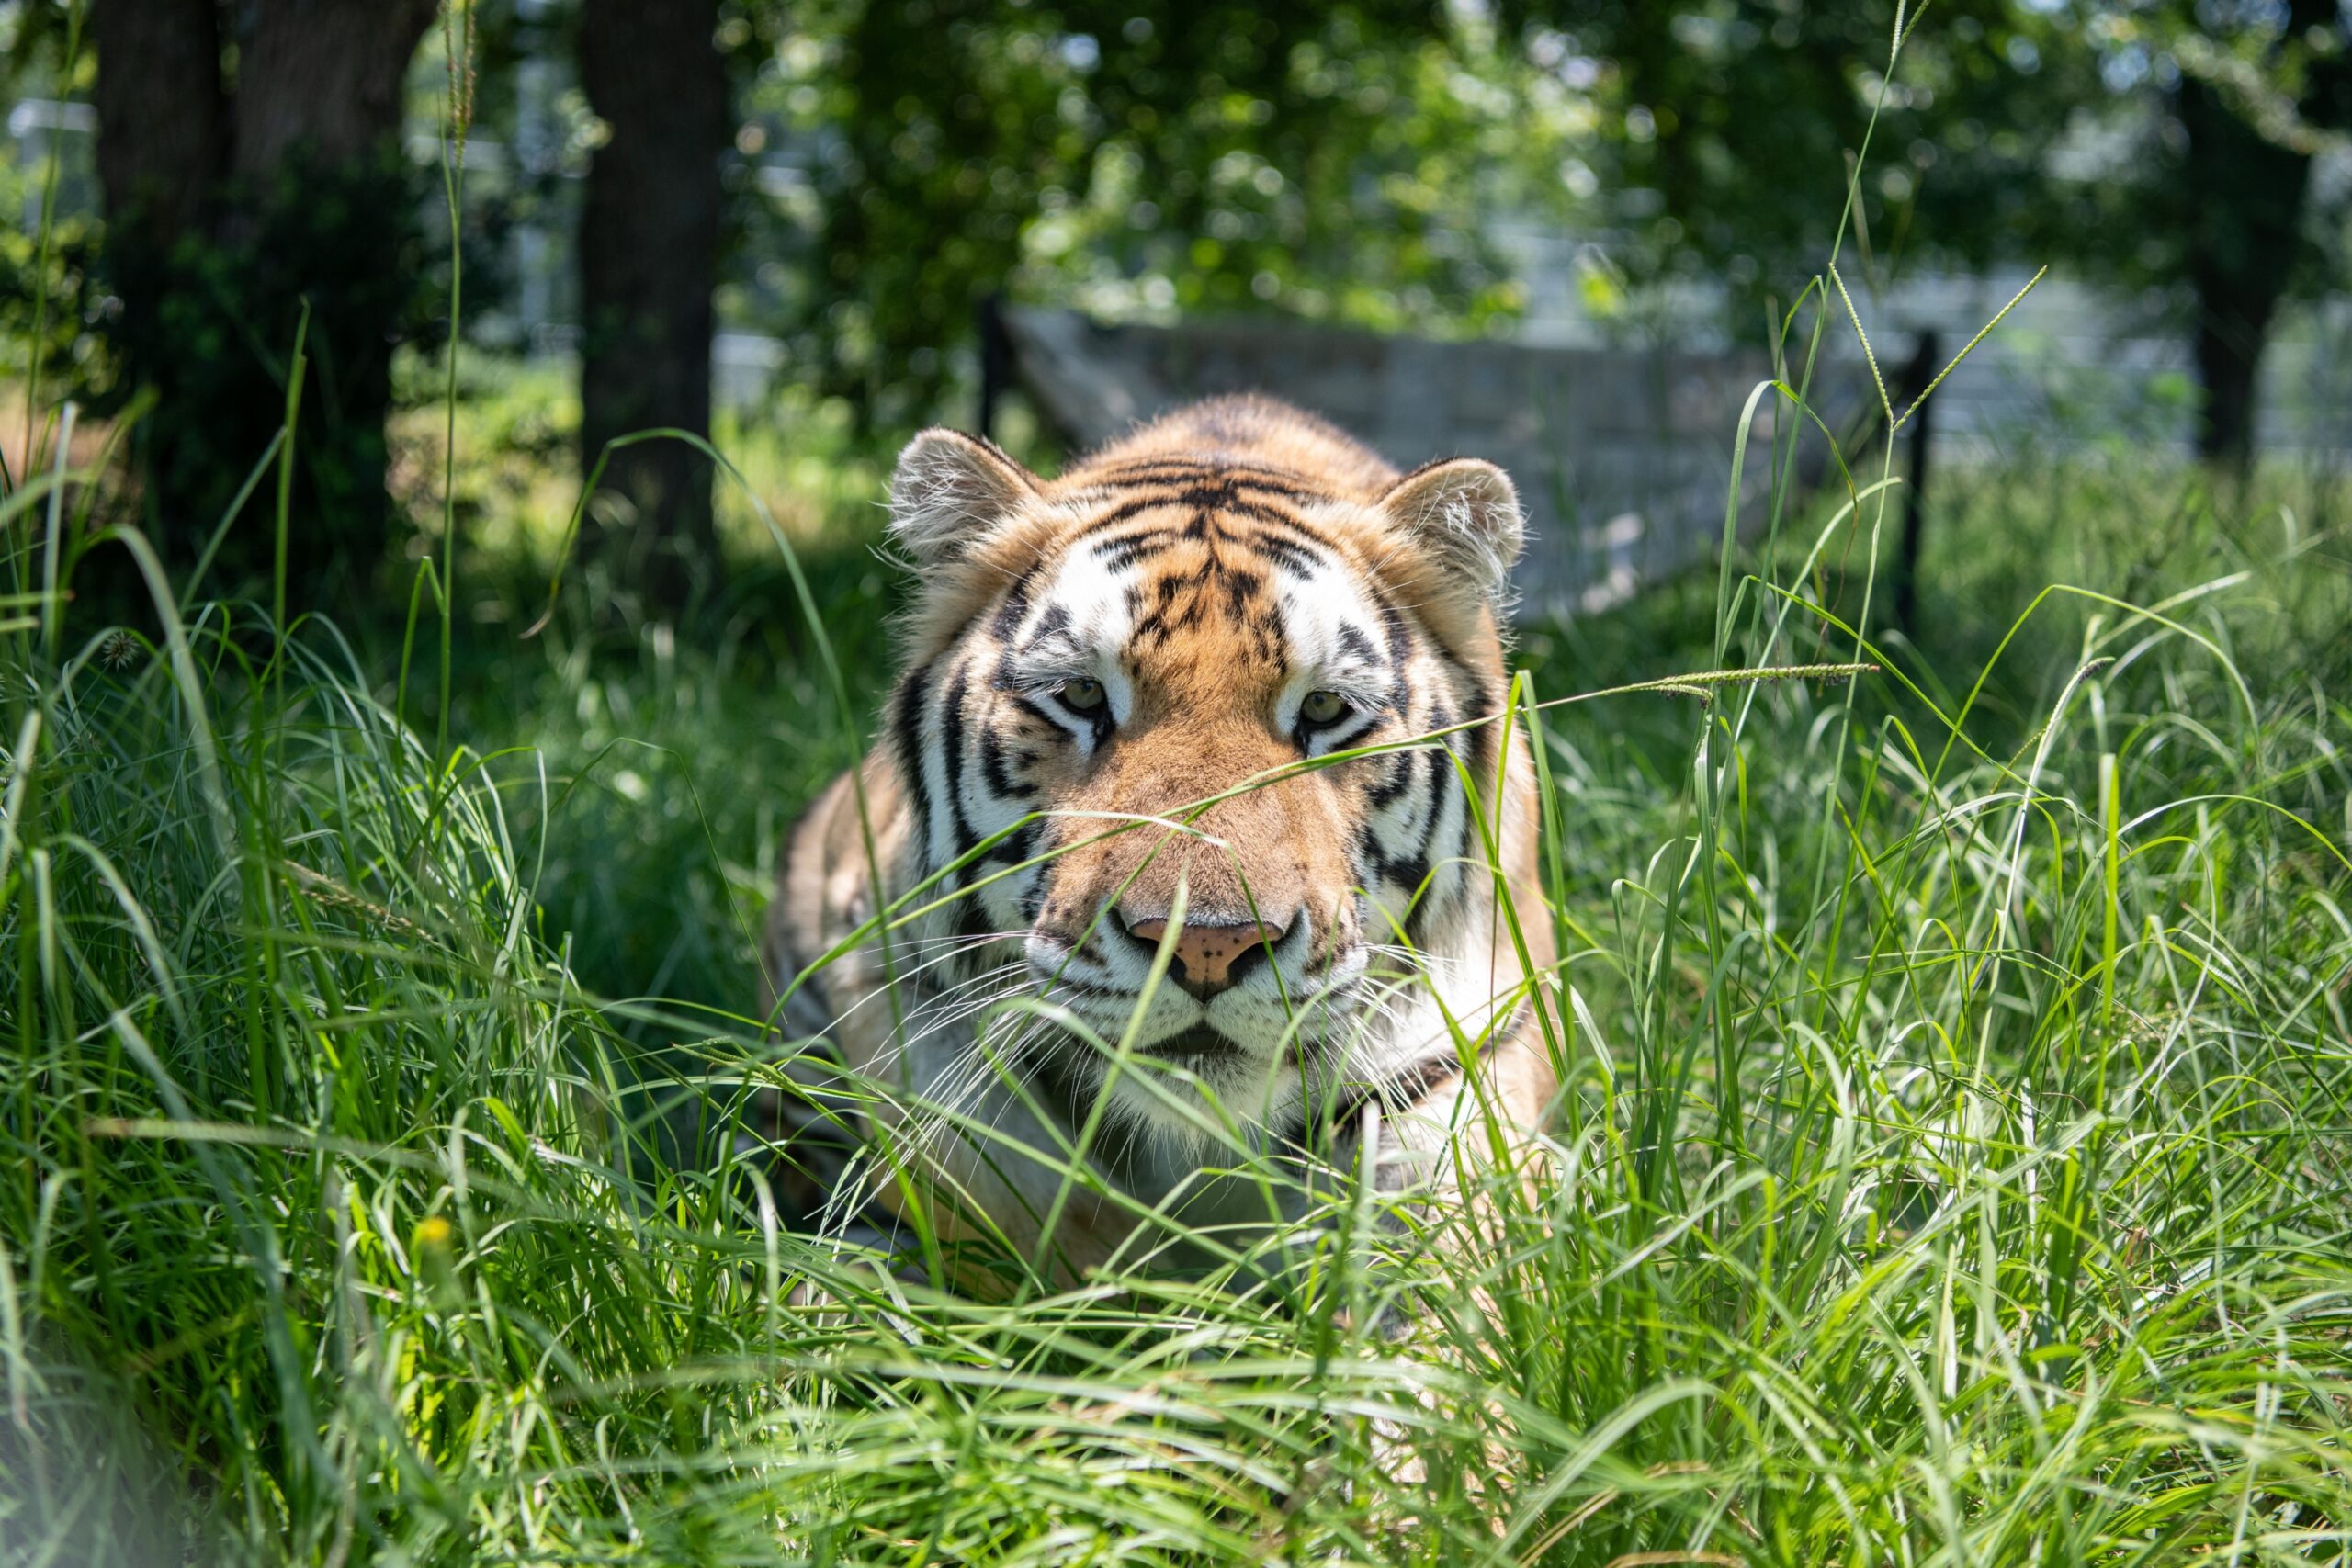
{"x":1259,"y":965}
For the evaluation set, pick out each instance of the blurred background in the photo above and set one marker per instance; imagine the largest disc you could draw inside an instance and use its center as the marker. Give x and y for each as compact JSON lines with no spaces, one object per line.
{"x":791,"y":225}
{"x":1570,"y":237}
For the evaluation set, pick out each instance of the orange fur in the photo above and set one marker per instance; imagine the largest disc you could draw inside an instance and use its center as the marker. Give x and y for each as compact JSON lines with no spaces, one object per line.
{"x":1208,"y":575}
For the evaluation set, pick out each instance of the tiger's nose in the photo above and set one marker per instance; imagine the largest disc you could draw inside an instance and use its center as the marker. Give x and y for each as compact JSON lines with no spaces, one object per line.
{"x":1211,"y":957}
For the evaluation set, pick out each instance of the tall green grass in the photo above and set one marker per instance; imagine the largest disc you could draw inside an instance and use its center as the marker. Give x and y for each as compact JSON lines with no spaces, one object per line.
{"x":1951,"y":1170}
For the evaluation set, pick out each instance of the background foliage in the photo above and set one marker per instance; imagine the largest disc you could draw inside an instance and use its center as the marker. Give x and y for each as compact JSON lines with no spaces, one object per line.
{"x":1327,"y":162}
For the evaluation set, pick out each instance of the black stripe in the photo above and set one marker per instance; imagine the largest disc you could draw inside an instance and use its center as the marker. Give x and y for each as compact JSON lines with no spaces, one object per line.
{"x":1342,"y":742}
{"x":1010,"y":614}
{"x":1290,"y":556}
{"x":1055,"y":621}
{"x":1397,"y":778}
{"x":996,"y":772}
{"x":971,"y":921}
{"x":1121,"y":554}
{"x":1019,"y":845}
{"x":1037,"y":711}
{"x":1164,"y":619}
{"x":1399,"y":635}
{"x":1203,"y":501}
{"x":1197,"y":498}
{"x":952,"y":763}
{"x":1300,"y":559}
{"x":1485,"y":739}
{"x":906,"y":743}
{"x":1448,"y":794}
{"x":1273,"y":632}
{"x":1405,"y":871}
{"x":1442,"y":782}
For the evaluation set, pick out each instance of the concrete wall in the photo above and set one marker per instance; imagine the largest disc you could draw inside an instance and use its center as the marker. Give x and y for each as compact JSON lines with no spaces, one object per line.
{"x":1624,"y":456}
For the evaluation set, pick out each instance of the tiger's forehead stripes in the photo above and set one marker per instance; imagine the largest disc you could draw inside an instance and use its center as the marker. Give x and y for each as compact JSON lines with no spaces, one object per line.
{"x":1216,"y":513}
{"x":1215,"y":625}
{"x":1300,"y":559}
{"x":1208,"y":589}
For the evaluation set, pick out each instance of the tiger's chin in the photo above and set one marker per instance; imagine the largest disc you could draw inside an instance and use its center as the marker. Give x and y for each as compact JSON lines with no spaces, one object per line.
{"x":1222,"y":1049}
{"x":1246,"y":1045}
{"x":1192,"y":1087}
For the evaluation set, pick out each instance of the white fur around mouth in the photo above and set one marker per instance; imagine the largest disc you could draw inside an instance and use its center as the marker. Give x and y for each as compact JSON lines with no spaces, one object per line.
{"x":1181,"y":1028}
{"x":1251,"y":1031}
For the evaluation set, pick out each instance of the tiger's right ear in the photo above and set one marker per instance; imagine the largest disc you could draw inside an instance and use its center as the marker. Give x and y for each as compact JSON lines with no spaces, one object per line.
{"x":951,"y":492}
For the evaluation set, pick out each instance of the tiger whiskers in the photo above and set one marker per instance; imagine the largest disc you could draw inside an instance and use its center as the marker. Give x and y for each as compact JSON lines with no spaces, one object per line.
{"x":948,"y":1106}
{"x":955,"y":947}
{"x":1411,"y":962}
{"x":951,"y":1007}
{"x":938,"y":1104}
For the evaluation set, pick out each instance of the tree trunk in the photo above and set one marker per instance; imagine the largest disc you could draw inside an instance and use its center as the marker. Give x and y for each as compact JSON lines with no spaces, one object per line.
{"x":163,"y":123}
{"x":318,"y":126}
{"x":2245,"y":204}
{"x":225,"y":213}
{"x":324,"y":76}
{"x":649,"y":257}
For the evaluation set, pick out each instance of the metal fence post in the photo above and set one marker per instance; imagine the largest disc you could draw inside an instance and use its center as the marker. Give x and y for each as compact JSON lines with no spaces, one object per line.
{"x":1916,"y":377}
{"x":996,"y":360}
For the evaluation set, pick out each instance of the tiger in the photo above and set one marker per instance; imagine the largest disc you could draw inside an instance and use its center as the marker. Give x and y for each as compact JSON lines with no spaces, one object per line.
{"x":1135,"y":919}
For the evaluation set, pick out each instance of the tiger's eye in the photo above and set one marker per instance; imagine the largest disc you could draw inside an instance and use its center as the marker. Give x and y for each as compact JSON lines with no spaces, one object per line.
{"x":1083,"y":696}
{"x":1323,"y":708}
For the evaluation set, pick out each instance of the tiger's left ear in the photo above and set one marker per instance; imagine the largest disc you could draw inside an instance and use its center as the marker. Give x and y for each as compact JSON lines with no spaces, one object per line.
{"x":1463,"y":516}
{"x":951,"y":492}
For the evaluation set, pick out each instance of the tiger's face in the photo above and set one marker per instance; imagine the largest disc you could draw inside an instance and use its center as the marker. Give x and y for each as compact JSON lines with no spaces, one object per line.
{"x":1124,"y":679}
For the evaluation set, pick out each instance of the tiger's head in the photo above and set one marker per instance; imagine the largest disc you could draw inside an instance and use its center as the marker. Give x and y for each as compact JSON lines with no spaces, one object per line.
{"x":1122,"y":676}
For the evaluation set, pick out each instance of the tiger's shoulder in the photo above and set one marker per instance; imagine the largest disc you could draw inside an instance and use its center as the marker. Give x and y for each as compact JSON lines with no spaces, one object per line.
{"x":825,"y":892}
